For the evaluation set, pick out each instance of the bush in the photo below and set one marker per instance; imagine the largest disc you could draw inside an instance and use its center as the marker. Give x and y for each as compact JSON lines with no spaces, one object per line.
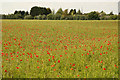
{"x":76,"y":17}
{"x":50,"y":16}
{"x":57,"y":16}
{"x":113,"y":17}
{"x":43,"y":17}
{"x":70,"y":17}
{"x":28,"y":17}
{"x":93,"y":16}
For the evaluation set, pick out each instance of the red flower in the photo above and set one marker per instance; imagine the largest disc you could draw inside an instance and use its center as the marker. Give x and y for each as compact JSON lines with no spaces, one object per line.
{"x":2,"y":66}
{"x":49,"y":59}
{"x":58,"y":61}
{"x":71,"y":68}
{"x":86,"y":67}
{"x":73,"y":65}
{"x":87,"y":53}
{"x":104,"y":69}
{"x":60,"y":55}
{"x":100,"y":53}
{"x":38,"y":67}
{"x":17,"y":67}
{"x":21,"y":60}
{"x":48,"y":53}
{"x":36,"y":55}
{"x":5,"y":70}
{"x":52,"y":65}
{"x":54,"y":69}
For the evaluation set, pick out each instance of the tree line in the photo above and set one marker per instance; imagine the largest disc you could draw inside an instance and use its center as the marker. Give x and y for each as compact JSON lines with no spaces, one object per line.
{"x":42,"y":13}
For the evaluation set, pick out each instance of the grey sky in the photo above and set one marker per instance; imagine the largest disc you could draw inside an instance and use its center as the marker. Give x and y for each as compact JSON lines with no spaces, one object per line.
{"x":9,"y":6}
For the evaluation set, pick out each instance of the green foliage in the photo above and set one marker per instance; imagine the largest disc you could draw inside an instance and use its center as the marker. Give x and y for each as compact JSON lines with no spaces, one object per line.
{"x":28,"y":17}
{"x":79,"y":12}
{"x":113,"y":17}
{"x":50,"y":17}
{"x":44,"y":17}
{"x":43,"y":13}
{"x":93,"y":16}
{"x":57,"y":16}
{"x":60,"y":11}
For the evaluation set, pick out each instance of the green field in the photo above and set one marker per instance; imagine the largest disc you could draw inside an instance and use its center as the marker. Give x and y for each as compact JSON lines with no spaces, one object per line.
{"x":59,"y":49}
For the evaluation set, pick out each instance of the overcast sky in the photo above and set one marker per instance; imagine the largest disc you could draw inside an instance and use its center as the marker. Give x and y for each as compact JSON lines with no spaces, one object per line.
{"x":9,"y":6}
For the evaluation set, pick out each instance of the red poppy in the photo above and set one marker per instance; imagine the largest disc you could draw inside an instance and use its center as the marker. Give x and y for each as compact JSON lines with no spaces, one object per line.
{"x":86,"y":67}
{"x":17,"y":67}
{"x":104,"y":69}
{"x":5,"y":70}
{"x":58,"y":61}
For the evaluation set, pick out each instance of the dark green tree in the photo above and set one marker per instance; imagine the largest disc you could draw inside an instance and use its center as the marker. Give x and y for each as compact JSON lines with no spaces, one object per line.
{"x":79,"y":12}
{"x":35,"y":11}
{"x":70,"y":13}
{"x":93,"y":16}
{"x":60,"y":11}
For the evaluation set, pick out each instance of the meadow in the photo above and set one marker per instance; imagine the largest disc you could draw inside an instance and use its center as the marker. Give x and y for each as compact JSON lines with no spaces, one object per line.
{"x":59,"y":49}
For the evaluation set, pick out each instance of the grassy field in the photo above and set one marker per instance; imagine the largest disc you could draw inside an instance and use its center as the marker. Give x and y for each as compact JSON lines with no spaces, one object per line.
{"x":59,"y":49}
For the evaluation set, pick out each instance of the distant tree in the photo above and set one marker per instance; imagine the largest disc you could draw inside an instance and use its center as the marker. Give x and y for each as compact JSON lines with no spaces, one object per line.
{"x":49,"y":11}
{"x":60,"y":11}
{"x":93,"y":16}
{"x":74,"y":11}
{"x":102,"y":14}
{"x":50,"y":16}
{"x":16,"y":12}
{"x":22,"y":13}
{"x":57,"y":16}
{"x":76,"y":17}
{"x":28,"y":17}
{"x":70,"y":17}
{"x":35,"y":11}
{"x":113,"y":17}
{"x":65,"y":12}
{"x":26,"y":13}
{"x":70,"y":13}
{"x":4,"y":16}
{"x":83,"y":17}
{"x":44,"y":17}
{"x":111,"y":13}
{"x":53,"y":11}
{"x":79,"y":12}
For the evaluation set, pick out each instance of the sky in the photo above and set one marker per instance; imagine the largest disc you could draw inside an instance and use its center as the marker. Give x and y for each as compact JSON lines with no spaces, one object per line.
{"x":9,"y":6}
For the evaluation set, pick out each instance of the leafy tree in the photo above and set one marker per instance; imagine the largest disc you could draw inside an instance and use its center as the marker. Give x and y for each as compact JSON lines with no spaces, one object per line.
{"x":111,"y":13}
{"x":70,"y":17}
{"x":28,"y":17}
{"x":79,"y":12}
{"x":44,"y":17}
{"x":49,"y":11}
{"x":50,"y":16}
{"x":57,"y":16}
{"x":16,"y":12}
{"x":113,"y":17}
{"x":65,"y":12}
{"x":93,"y":16}
{"x":76,"y":17}
{"x":70,"y":13}
{"x":60,"y":11}
{"x":74,"y":11}
{"x":26,"y":13}
{"x":35,"y":11}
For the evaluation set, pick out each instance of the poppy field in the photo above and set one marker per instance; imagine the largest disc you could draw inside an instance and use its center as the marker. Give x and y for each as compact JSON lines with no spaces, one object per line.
{"x":59,"y":49}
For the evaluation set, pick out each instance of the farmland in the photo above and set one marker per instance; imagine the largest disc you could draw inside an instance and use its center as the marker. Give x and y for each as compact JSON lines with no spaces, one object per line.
{"x":59,"y":49}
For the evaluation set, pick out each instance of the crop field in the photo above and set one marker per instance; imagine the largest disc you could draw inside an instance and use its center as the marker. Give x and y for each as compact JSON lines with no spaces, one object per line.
{"x":59,"y":49}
